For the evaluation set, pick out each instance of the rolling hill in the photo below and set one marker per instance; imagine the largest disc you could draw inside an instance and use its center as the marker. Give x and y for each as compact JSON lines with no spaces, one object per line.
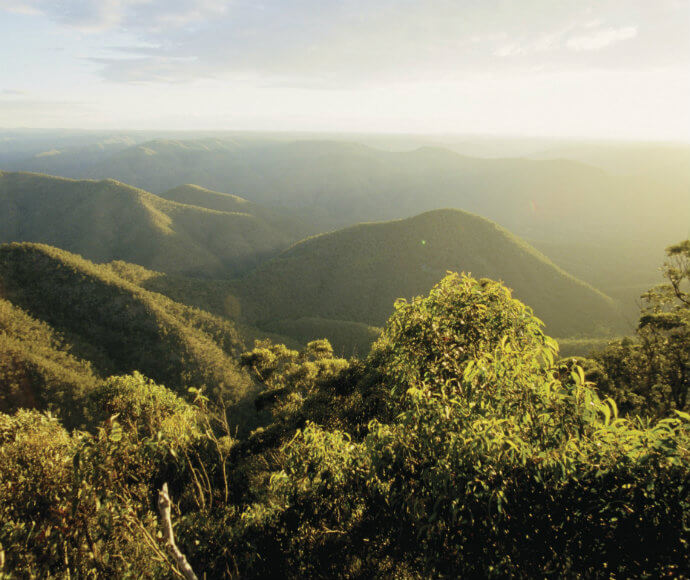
{"x":356,"y":274}
{"x":601,"y":211}
{"x":290,"y":223}
{"x":66,"y":317}
{"x":340,"y":183}
{"x":107,"y":220}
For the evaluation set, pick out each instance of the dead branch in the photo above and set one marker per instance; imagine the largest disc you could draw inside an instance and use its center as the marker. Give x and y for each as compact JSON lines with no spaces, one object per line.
{"x":164,"y":504}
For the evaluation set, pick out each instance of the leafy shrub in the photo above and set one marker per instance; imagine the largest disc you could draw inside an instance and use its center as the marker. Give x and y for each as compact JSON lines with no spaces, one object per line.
{"x":144,"y":408}
{"x":458,"y":448}
{"x":650,"y":372}
{"x":492,"y":466}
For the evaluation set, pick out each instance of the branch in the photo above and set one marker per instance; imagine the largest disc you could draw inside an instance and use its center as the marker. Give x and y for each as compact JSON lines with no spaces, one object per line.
{"x":164,"y":511}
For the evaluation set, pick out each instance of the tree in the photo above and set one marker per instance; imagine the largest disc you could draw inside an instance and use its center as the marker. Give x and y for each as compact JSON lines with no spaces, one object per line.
{"x":486,"y":462}
{"x":650,"y":373}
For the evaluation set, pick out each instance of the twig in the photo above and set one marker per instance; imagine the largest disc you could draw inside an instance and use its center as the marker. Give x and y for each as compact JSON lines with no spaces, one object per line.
{"x":166,"y":523}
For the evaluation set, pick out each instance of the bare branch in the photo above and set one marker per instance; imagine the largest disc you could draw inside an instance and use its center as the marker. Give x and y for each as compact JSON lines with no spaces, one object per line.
{"x":166,"y":523}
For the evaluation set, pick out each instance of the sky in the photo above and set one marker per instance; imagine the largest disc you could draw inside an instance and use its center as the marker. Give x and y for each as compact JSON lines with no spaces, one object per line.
{"x":613,"y":69}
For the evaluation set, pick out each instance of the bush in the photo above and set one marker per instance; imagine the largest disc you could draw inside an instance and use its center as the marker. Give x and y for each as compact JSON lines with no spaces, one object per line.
{"x":492,"y":465}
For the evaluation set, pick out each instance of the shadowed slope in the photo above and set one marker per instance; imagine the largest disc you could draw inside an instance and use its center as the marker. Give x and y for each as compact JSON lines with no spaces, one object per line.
{"x":291,"y":223}
{"x":37,"y":369}
{"x":357,"y":273}
{"x":118,"y":326}
{"x":107,"y":220}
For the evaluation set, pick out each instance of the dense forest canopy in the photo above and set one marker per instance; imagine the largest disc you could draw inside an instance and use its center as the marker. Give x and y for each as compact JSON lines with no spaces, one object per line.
{"x":219,"y":380}
{"x":459,"y":446}
{"x":358,"y":290}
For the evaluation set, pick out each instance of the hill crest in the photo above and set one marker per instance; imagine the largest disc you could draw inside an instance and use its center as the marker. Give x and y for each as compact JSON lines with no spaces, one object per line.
{"x":357,"y":273}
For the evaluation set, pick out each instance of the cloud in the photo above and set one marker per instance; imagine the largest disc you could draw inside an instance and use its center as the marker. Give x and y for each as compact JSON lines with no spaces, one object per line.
{"x":325,"y":43}
{"x":12,"y":92}
{"x":602,"y":38}
{"x":101,"y":15}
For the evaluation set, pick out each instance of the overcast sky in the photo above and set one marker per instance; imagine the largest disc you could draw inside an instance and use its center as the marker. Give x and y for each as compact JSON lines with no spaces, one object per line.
{"x":604,"y":68}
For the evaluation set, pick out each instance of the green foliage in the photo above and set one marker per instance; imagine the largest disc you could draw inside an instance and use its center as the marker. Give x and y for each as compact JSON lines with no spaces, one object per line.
{"x":348,"y":338}
{"x":144,"y":408}
{"x":37,"y":369}
{"x":579,"y":347}
{"x":74,"y":504}
{"x":650,"y":373}
{"x":288,"y":376}
{"x":431,"y":339}
{"x":458,"y":448}
{"x":492,"y":465}
{"x":118,"y":326}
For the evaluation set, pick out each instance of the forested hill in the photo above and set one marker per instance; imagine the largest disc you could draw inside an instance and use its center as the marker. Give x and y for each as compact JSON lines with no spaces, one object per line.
{"x":64,"y":322}
{"x":290,"y":222}
{"x":107,"y":220}
{"x":357,"y":273}
{"x":350,"y":183}
{"x":191,"y":194}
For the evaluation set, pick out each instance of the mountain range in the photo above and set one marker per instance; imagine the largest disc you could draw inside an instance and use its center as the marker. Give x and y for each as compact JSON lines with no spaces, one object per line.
{"x":106,"y":220}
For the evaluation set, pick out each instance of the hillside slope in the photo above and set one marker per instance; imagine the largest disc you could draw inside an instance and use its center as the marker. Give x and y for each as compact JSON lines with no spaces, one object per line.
{"x":339,"y":183}
{"x":191,"y":194}
{"x":37,"y":369}
{"x":85,"y":312}
{"x":357,"y":273}
{"x":107,"y":220}
{"x":291,"y":223}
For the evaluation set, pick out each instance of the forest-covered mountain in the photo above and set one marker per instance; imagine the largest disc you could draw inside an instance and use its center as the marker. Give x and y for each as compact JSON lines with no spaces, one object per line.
{"x":291,"y":223}
{"x":344,"y":290}
{"x":355,"y":274}
{"x":107,"y":220}
{"x":348,"y":276}
{"x":456,"y":443}
{"x":67,"y":323}
{"x":601,"y":211}
{"x":352,"y":182}
{"x":458,"y":447}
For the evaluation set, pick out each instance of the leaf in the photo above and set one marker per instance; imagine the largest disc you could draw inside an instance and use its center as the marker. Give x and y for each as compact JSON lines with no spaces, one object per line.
{"x":607,"y":413}
{"x":682,"y":414}
{"x":115,"y":434}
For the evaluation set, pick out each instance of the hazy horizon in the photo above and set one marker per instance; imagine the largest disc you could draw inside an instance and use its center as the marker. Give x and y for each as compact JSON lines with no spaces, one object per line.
{"x":326,"y":134}
{"x":568,"y":70}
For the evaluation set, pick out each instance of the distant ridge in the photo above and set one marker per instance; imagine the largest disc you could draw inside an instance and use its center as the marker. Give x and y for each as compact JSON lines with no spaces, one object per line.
{"x":355,"y":274}
{"x":289,"y":222}
{"x":341,"y":183}
{"x":107,"y":220}
{"x":191,"y":194}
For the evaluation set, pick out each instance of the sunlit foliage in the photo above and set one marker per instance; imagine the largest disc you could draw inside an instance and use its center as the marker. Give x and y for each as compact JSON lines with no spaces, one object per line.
{"x":650,"y":372}
{"x":459,"y":447}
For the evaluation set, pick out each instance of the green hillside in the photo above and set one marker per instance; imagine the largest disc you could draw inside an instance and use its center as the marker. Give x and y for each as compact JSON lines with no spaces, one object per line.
{"x":292,"y":223}
{"x":107,"y":220}
{"x":340,"y":183}
{"x":355,"y":274}
{"x":578,"y":205}
{"x":37,"y":369}
{"x":67,"y":310}
{"x":191,"y":194}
